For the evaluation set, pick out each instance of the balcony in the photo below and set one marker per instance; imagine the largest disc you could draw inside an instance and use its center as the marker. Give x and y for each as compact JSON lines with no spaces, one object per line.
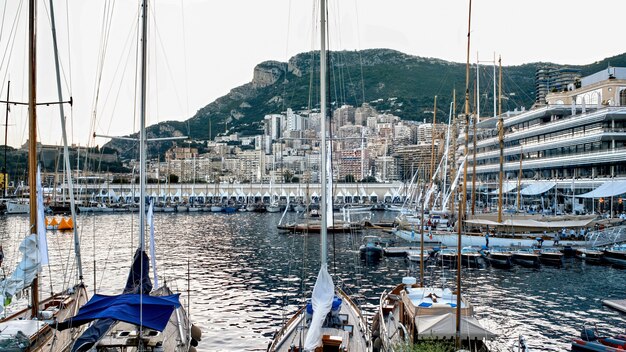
{"x":600,"y":157}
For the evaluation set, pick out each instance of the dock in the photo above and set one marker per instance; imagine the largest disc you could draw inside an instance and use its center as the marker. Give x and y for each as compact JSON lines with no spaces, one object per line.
{"x":617,"y":304}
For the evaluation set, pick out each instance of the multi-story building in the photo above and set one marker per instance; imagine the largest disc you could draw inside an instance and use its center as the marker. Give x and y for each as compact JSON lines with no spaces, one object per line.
{"x":413,"y":158}
{"x":550,"y":79}
{"x":577,"y":141}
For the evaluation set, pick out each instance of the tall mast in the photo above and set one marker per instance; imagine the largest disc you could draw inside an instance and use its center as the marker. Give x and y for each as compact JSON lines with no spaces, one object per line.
{"x":142,"y":127}
{"x":501,"y":142}
{"x":454,"y":146}
{"x":476,"y":102}
{"x":6,"y":129}
{"x":66,"y":153}
{"x":477,"y":88}
{"x":519,"y":179}
{"x":433,"y":138}
{"x":463,"y":202}
{"x":323,"y":205}
{"x":32,"y":137}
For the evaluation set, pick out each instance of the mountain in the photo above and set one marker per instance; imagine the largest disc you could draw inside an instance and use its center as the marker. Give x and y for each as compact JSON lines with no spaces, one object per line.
{"x":389,"y":80}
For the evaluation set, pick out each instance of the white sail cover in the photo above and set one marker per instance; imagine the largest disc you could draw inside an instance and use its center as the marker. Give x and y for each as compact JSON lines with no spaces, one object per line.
{"x":152,"y":244}
{"x":329,"y":186}
{"x":607,"y":189}
{"x":41,"y":225}
{"x":25,"y":272}
{"x":34,"y":249}
{"x":442,"y":326}
{"x":538,"y":188}
{"x":322,"y":301}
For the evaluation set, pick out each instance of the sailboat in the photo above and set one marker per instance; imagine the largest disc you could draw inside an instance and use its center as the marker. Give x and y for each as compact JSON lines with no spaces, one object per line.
{"x":413,"y":313}
{"x":330,"y":320}
{"x":32,"y":328}
{"x":140,"y":318}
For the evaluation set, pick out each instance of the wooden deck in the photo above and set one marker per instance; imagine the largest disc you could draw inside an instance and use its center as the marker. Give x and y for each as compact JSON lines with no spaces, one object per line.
{"x":353,"y":334}
{"x":61,"y":307}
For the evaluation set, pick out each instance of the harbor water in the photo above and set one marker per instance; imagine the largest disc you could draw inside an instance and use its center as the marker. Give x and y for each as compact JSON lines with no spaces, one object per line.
{"x":245,"y":278}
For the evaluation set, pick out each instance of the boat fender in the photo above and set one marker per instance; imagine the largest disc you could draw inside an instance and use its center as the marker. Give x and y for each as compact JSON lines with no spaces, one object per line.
{"x":193,"y":342}
{"x":192,"y":349}
{"x":196,"y":333}
{"x":378,"y":344}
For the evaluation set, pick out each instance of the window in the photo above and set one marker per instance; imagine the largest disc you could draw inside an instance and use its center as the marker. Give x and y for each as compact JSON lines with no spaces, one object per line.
{"x":622,"y":97}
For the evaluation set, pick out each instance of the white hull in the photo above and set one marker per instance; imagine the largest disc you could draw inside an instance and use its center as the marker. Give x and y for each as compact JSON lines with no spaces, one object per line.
{"x":273,"y":209}
{"x":18,"y":208}
{"x":451,"y":240}
{"x":216,"y":209}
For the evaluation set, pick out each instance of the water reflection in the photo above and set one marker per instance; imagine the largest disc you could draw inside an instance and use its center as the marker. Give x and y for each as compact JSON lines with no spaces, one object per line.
{"x":246,"y":278}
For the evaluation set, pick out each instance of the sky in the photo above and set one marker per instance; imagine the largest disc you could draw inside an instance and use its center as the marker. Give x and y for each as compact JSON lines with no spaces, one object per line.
{"x":201,"y":49}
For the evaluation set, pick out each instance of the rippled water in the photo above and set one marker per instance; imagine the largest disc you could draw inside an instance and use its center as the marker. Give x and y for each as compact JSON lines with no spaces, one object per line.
{"x":246,"y":278}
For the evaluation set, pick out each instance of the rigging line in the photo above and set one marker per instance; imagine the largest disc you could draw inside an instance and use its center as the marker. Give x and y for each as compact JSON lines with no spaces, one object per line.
{"x":185,"y":63}
{"x":119,"y":88}
{"x":4,"y":12}
{"x":8,"y":53}
{"x":167,"y":64}
{"x":358,"y":41}
{"x":105,"y":28}
{"x":49,"y":18}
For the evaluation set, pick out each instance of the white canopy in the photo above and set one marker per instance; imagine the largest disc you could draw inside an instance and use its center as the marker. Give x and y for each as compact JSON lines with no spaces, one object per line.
{"x":315,"y":194}
{"x":373,"y":194}
{"x":441,"y":326}
{"x":607,"y":189}
{"x":339,"y":195}
{"x":506,"y":187}
{"x":537,"y":188}
{"x":291,"y":194}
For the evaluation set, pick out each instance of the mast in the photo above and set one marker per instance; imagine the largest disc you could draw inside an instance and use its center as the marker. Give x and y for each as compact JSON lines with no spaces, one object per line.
{"x":477,"y":89}
{"x":433,"y":138}
{"x":519,"y":179}
{"x":463,"y":202}
{"x":454,"y":147}
{"x":6,"y":129}
{"x":142,"y":128}
{"x":66,"y":153}
{"x":501,"y":142}
{"x":324,"y":195}
{"x":32,"y":137}
{"x":476,"y":102}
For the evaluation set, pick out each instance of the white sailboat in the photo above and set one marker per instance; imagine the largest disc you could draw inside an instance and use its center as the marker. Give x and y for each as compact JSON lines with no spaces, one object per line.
{"x":140,"y":318}
{"x":330,"y":320}
{"x":32,"y":328}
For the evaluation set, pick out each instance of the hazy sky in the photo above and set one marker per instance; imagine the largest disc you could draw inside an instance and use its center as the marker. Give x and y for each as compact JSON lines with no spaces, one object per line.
{"x":200,"y":49}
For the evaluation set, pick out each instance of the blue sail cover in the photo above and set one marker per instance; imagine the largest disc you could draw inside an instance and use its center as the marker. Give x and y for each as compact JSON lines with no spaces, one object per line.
{"x":138,"y":282}
{"x":148,"y":311}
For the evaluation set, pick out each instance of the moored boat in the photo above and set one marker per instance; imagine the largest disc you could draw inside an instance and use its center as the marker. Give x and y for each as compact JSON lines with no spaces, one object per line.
{"x":551,"y":256}
{"x":410,"y":315}
{"x":371,"y":247}
{"x":500,"y":257}
{"x":616,"y":255}
{"x":527,"y":257}
{"x":590,"y":255}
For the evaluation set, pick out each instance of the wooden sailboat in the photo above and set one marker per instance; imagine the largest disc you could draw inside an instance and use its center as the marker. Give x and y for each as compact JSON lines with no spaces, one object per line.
{"x":330,"y":320}
{"x":413,"y":313}
{"x":140,"y":319}
{"x":32,"y":329}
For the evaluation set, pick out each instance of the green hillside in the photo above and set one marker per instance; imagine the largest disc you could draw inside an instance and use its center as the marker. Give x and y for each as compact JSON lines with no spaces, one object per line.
{"x":372,"y":76}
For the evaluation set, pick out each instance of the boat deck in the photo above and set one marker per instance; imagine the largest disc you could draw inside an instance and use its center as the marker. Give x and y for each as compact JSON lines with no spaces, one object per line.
{"x":352,"y":335}
{"x":41,"y":335}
